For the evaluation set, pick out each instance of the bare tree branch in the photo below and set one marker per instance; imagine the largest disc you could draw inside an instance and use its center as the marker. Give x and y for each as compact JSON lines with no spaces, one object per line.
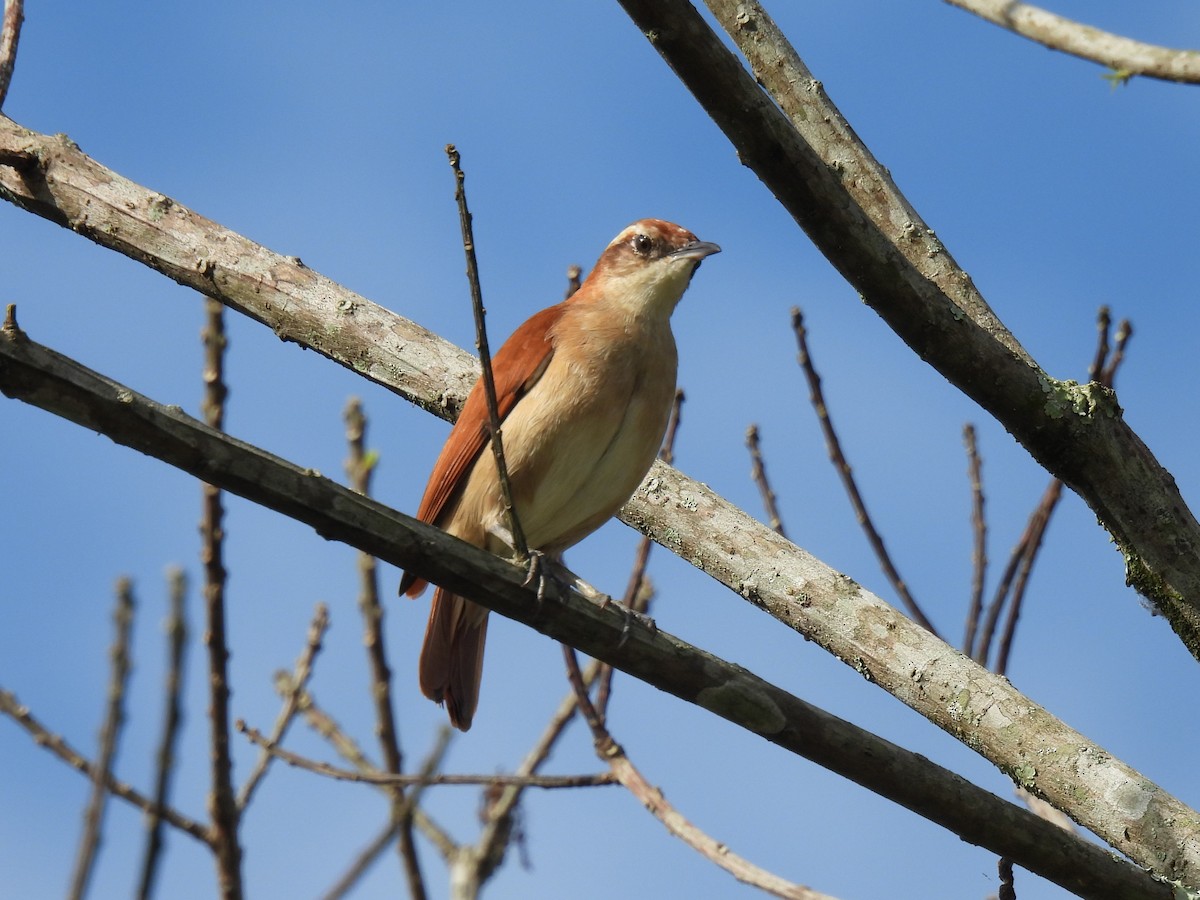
{"x":10,"y":36}
{"x":1037,"y":750}
{"x":172,"y":720}
{"x":1125,"y":56}
{"x":222,"y":803}
{"x":834,"y":447}
{"x":11,"y":707}
{"x":110,"y":731}
{"x":979,"y":544}
{"x":390,"y":779}
{"x":806,"y":153}
{"x":758,"y":474}
{"x":520,"y":548}
{"x":291,"y":703}
{"x":359,"y":467}
{"x":624,"y":771}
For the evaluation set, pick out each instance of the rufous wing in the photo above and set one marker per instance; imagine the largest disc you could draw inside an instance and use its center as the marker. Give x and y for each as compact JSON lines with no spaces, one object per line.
{"x":516,"y":368}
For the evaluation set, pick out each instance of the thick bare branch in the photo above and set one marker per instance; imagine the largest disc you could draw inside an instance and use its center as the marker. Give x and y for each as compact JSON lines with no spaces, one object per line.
{"x":1125,"y":56}
{"x":10,"y":37}
{"x":1036,"y":749}
{"x":806,"y":153}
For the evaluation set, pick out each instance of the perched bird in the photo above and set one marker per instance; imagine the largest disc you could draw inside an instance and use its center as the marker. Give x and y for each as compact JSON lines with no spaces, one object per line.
{"x":584,"y":390}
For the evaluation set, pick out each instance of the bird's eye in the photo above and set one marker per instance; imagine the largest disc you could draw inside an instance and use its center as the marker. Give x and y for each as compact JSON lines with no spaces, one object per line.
{"x":642,"y":244}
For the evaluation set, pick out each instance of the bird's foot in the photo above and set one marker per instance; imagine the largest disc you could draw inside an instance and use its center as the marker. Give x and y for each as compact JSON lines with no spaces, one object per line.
{"x":631,"y":616}
{"x":553,"y":578}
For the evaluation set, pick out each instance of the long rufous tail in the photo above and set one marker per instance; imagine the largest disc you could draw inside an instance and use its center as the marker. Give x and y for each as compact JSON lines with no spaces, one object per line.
{"x":451,"y":664}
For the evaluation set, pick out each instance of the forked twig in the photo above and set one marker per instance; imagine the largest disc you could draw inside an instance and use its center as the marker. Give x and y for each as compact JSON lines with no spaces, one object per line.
{"x":291,"y":704}
{"x":389,"y":779}
{"x":367,"y":856}
{"x":834,"y":446}
{"x":1016,"y":574}
{"x":613,"y":755}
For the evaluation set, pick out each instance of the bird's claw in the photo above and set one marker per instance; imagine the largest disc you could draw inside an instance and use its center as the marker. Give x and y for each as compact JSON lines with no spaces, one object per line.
{"x":631,"y":616}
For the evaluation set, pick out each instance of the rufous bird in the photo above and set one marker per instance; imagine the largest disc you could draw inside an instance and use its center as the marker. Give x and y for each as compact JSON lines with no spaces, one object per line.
{"x":584,"y":391}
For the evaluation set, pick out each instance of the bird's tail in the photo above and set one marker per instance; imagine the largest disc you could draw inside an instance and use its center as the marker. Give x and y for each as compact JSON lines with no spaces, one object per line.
{"x":452,"y":656}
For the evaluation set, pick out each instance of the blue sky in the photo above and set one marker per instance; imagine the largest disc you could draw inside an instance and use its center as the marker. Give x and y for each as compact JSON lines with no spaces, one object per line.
{"x":320,"y":133}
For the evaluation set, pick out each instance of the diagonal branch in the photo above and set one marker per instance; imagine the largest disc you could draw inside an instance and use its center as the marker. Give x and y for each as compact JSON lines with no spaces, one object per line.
{"x":43,"y":737}
{"x":1125,"y":56}
{"x":1066,"y":426}
{"x":110,"y":731}
{"x":10,"y":37}
{"x":1114,"y":801}
{"x":793,"y":137}
{"x":177,"y":634}
{"x":622,"y":770}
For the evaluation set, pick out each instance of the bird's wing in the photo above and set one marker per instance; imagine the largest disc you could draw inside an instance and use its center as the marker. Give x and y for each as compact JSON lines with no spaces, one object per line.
{"x":516,"y":368}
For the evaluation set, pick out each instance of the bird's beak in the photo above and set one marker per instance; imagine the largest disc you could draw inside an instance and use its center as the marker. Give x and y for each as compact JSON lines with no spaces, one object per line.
{"x":695,"y":250}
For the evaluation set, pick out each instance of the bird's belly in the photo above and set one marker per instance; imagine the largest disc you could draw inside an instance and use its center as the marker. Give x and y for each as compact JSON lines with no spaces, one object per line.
{"x":577,"y":453}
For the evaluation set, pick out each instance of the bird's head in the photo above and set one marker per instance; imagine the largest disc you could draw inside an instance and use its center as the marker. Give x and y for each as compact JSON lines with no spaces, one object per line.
{"x":647,"y":267}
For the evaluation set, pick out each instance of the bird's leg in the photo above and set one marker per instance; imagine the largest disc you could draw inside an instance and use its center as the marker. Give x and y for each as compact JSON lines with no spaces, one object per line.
{"x":534,"y":563}
{"x":549,"y":568}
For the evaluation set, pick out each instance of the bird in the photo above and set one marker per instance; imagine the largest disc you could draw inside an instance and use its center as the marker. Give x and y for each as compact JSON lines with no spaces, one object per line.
{"x":584,"y":389}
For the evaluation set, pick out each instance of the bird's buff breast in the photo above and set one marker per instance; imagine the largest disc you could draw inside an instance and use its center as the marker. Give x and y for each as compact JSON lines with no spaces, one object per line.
{"x":579,"y":443}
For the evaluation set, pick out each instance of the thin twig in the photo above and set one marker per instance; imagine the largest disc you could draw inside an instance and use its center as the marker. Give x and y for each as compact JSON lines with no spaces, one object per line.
{"x":172,"y":720}
{"x":574,"y":282}
{"x":110,"y":731}
{"x":758,"y":472}
{"x":1109,"y":373}
{"x":501,"y":810}
{"x":1038,"y":523}
{"x":1103,"y":324}
{"x":979,"y":530}
{"x":323,"y":723}
{"x":612,"y":754}
{"x":222,"y":803}
{"x":520,"y":548}
{"x":10,"y":36}
{"x":299,"y":680}
{"x":43,"y":737}
{"x":388,"y":779}
{"x":362,"y":862}
{"x":359,"y":467}
{"x":838,"y":459}
{"x":1015,"y":578}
